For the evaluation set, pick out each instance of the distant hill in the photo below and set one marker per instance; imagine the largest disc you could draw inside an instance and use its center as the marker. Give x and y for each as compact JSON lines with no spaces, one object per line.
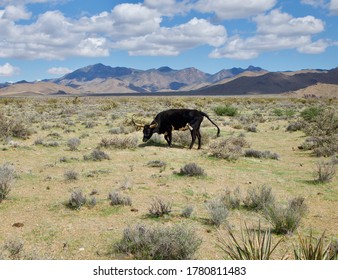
{"x":99,"y":78}
{"x":272,"y":83}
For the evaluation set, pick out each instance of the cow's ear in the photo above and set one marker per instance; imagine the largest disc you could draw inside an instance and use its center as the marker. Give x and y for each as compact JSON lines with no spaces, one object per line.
{"x":153,"y":125}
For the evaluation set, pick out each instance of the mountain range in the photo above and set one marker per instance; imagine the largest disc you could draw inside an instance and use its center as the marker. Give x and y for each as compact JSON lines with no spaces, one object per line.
{"x":99,"y":79}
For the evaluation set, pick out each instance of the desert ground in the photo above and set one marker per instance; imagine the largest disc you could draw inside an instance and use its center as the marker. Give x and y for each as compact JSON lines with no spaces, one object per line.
{"x":54,"y":151}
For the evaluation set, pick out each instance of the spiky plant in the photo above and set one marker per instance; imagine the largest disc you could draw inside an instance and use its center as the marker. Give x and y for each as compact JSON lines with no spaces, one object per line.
{"x":251,"y":245}
{"x":311,"y":248}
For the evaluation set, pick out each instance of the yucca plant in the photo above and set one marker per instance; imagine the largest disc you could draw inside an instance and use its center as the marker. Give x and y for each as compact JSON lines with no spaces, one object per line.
{"x":252,"y":244}
{"x":311,"y":248}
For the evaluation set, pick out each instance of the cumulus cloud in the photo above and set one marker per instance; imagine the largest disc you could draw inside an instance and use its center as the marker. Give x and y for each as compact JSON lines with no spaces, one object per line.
{"x":172,"y":41}
{"x":333,"y":6}
{"x":169,"y":7}
{"x":275,"y":31}
{"x":15,"y":13}
{"x":7,"y":70}
{"x":231,"y":9}
{"x":59,"y":71}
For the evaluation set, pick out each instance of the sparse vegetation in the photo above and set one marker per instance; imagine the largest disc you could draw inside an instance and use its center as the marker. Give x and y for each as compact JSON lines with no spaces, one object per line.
{"x":41,"y":188}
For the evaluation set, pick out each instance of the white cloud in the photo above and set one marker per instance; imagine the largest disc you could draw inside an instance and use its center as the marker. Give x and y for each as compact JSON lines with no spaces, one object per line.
{"x":172,"y":41}
{"x":314,"y":48}
{"x":333,"y":6}
{"x":59,"y":70}
{"x":231,"y":9}
{"x":15,"y":13}
{"x":275,"y":31}
{"x":169,"y":7}
{"x":7,"y":70}
{"x":314,"y":3}
{"x":280,"y":23}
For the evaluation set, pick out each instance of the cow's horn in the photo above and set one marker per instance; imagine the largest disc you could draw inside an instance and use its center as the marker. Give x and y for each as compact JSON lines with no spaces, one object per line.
{"x":136,"y":124}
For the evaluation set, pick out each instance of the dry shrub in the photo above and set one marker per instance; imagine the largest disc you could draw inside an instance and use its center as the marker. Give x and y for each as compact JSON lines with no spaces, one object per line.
{"x":7,"y":176}
{"x":119,"y":142}
{"x":176,"y":242}
{"x":229,"y":149}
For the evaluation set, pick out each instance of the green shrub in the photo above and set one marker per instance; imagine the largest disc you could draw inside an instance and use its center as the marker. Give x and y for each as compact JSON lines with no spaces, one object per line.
{"x":177,"y":242}
{"x":226,"y":110}
{"x":310,"y":113}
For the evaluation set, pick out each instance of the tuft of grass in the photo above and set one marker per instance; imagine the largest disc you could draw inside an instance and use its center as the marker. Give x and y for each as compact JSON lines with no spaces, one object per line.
{"x":187,"y":211}
{"x":71,"y":175}
{"x":119,"y":142}
{"x":73,"y":143}
{"x":159,"y":208}
{"x":259,"y":198}
{"x":78,"y":199}
{"x":325,"y":171}
{"x":261,"y":154}
{"x":286,"y":220}
{"x":217,"y":210}
{"x":97,"y":155}
{"x":117,"y":199}
{"x":311,"y":248}
{"x":251,"y":245}
{"x":7,"y":176}
{"x":192,"y":169}
{"x":177,"y":242}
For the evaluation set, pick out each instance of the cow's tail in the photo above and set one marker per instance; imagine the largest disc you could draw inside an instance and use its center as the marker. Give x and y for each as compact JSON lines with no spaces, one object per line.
{"x":218,"y":130}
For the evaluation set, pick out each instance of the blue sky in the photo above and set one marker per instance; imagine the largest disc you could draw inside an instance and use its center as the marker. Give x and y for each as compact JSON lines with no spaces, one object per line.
{"x":48,"y":38}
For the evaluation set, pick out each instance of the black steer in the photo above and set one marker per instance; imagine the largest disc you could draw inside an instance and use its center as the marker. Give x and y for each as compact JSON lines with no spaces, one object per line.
{"x":176,"y":119}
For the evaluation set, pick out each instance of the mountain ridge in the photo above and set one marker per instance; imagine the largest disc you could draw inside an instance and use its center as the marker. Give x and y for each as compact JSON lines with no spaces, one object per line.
{"x":99,"y":78}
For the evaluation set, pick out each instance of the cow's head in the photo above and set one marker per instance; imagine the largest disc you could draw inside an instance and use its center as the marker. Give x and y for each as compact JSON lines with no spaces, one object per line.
{"x":148,"y":131}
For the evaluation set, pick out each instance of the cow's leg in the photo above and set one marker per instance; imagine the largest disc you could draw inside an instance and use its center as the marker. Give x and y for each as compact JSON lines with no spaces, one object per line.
{"x":199,"y":137}
{"x":193,"y":138}
{"x":167,"y":137}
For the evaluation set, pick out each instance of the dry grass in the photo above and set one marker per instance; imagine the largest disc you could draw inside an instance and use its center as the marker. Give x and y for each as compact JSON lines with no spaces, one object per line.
{"x":51,"y":230}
